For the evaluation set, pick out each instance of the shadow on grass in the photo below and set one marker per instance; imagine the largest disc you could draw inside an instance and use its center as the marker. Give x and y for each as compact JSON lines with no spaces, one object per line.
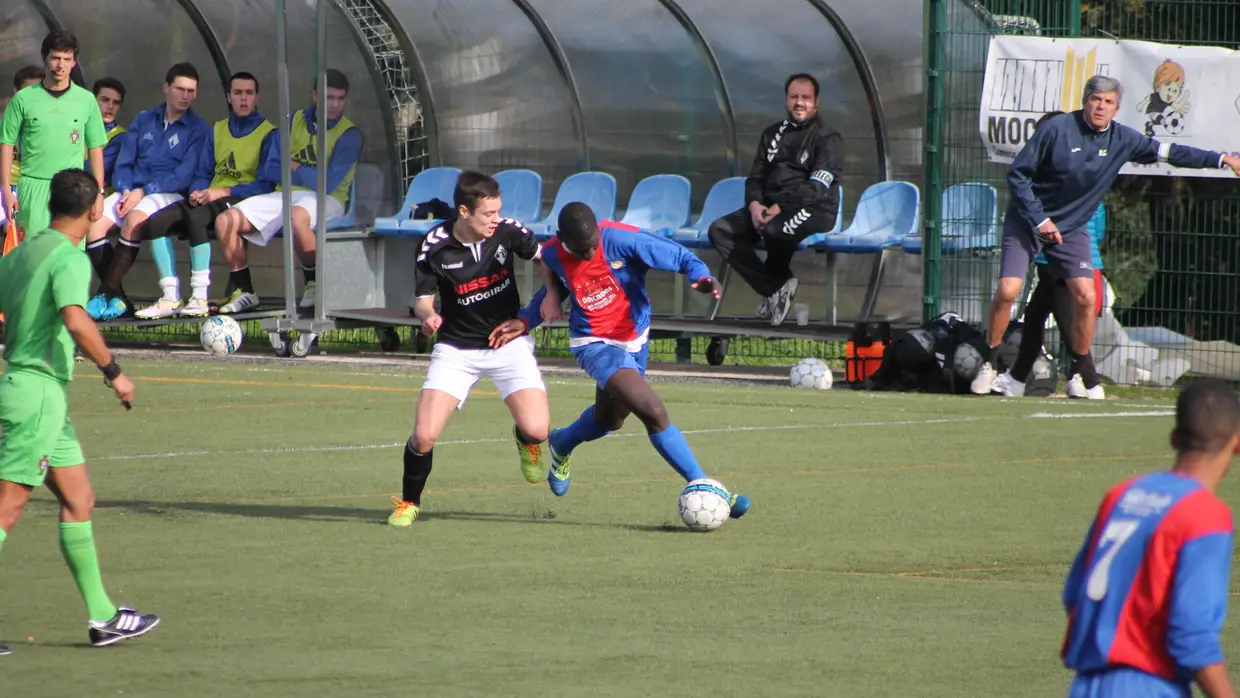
{"x":374,"y":516}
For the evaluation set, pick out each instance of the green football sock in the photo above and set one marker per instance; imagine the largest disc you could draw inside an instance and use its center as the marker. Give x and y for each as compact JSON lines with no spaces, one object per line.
{"x":77,"y":544}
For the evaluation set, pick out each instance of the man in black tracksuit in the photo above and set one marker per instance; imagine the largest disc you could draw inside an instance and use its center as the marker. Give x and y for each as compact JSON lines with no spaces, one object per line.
{"x":792,"y":192}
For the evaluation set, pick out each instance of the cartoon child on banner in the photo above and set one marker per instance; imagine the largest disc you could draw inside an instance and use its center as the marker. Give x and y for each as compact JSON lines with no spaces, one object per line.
{"x":1166,"y":108}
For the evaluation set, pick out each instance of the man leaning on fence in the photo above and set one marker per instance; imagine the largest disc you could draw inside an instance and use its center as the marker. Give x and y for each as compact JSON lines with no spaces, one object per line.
{"x":1057,"y":181}
{"x":792,"y":192}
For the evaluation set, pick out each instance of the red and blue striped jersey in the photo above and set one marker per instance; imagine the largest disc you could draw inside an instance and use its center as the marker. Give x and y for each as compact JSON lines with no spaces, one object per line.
{"x":1148,"y":589}
{"x":609,"y":299}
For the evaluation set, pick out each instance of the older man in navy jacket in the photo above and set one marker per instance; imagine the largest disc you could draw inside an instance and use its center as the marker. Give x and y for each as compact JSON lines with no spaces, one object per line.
{"x":1057,"y":181}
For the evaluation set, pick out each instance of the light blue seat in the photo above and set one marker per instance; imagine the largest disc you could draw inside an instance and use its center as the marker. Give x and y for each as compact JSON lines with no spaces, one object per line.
{"x":521,"y":191}
{"x":885,"y":215}
{"x":969,"y":220}
{"x":726,"y":196}
{"x":595,"y":189}
{"x":432,"y":183}
{"x":365,"y":191}
{"x":659,"y":204}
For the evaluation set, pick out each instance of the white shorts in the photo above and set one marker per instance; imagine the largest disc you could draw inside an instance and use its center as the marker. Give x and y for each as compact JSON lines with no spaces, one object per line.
{"x":266,"y":213}
{"x":512,"y":367}
{"x":150,"y":205}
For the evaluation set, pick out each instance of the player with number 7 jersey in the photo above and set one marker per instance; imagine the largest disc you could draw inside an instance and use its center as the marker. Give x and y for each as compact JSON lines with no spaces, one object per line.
{"x":1147,"y":593}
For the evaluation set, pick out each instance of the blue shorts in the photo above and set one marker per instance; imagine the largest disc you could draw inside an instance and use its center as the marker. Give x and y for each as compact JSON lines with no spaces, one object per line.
{"x":1126,"y":683}
{"x":602,"y":361}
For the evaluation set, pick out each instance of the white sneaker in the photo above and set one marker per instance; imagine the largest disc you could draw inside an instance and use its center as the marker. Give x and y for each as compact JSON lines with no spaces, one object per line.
{"x":307,"y":296}
{"x":163,"y":308}
{"x":1008,"y":386}
{"x":1077,"y":390}
{"x":196,"y":307}
{"x":985,"y":380}
{"x":781,"y":302}
{"x":239,"y":302}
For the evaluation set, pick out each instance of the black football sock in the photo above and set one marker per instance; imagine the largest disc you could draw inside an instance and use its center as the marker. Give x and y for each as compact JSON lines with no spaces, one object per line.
{"x":241,"y":279}
{"x":1083,"y":365}
{"x":417,"y":470}
{"x":123,"y":256}
{"x":308,"y":272}
{"x":100,"y":253}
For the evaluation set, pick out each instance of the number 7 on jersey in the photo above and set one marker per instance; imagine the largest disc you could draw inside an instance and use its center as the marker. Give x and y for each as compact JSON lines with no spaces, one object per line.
{"x":1113,"y":538}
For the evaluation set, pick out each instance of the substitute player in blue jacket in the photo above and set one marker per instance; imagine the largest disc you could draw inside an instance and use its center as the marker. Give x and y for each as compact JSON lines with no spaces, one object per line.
{"x":1147,"y":594}
{"x":154,"y":170}
{"x":602,"y":269}
{"x":1057,"y":181}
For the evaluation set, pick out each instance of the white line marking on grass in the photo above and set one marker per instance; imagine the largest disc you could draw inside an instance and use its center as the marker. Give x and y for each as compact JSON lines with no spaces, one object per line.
{"x":462,"y":442}
{"x":1095,"y":415}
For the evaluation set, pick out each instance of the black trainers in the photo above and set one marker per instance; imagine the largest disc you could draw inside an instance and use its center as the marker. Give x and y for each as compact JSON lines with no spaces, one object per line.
{"x":125,"y":624}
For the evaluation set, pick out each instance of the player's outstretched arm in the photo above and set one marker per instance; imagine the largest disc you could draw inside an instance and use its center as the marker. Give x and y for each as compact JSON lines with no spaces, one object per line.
{"x":550,"y":300}
{"x":90,"y":341}
{"x":1214,"y":682}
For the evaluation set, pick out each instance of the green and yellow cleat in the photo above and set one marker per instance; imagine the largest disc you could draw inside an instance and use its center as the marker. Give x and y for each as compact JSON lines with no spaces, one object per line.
{"x":531,"y":459}
{"x":403,"y":513}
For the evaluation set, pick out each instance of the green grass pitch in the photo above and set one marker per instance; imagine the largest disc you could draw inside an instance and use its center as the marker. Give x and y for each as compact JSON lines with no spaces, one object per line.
{"x":898,"y":545}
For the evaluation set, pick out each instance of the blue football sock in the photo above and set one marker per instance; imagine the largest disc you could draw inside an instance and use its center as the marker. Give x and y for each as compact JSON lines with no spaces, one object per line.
{"x":165,"y":257}
{"x":583,"y":430}
{"x":671,"y":444}
{"x":200,"y":257}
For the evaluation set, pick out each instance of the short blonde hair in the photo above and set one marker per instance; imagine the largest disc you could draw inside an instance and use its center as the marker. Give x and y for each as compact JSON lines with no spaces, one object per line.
{"x":1169,"y":71}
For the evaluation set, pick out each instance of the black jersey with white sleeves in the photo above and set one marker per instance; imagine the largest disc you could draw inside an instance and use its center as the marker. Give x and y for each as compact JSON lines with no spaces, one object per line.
{"x":476,"y":282}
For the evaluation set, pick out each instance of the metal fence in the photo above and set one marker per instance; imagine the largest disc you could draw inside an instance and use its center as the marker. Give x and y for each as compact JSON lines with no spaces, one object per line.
{"x":1172,"y":247}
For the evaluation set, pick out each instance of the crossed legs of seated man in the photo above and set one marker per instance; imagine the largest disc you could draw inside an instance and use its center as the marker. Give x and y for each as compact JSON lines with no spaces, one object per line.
{"x":256,"y":220}
{"x":128,"y":214}
{"x":1069,"y":259}
{"x":736,"y":238}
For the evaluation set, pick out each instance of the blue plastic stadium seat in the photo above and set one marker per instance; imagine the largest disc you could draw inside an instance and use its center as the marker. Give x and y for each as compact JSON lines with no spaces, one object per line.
{"x":433,"y":183}
{"x":885,"y":215}
{"x":521,"y":191}
{"x":968,"y":220}
{"x":659,"y":204}
{"x":367,"y":184}
{"x":726,"y":196}
{"x":595,"y":189}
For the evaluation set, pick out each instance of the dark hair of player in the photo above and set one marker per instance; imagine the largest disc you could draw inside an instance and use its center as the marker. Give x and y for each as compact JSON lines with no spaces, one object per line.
{"x":1045,"y":118}
{"x":578,"y":228}
{"x":472,"y":187}
{"x":1207,"y":416}
{"x":111,"y":83}
{"x":241,"y":75}
{"x":336,"y":80}
{"x":801,"y":76}
{"x":181,"y":70}
{"x":30,"y":72}
{"x":73,"y":193}
{"x":59,"y":40}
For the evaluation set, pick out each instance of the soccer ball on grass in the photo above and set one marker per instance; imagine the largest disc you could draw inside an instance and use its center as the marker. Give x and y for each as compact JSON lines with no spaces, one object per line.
{"x":810,"y":373}
{"x":705,"y":505}
{"x":220,"y":335}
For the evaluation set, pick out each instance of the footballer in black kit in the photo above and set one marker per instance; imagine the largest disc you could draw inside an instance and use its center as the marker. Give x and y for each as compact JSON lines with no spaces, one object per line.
{"x":476,"y":284}
{"x":468,"y":261}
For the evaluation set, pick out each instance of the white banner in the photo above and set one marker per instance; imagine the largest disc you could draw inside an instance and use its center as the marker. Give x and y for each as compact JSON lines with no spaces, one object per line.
{"x":1178,"y":94}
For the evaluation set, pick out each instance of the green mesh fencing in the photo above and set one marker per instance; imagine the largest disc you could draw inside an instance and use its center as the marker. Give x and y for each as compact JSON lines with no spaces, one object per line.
{"x":1172,"y":248}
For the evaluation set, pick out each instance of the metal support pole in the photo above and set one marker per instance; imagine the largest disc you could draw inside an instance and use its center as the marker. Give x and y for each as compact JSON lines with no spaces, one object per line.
{"x":1074,"y":17}
{"x":932,"y":235}
{"x":321,"y":157}
{"x":286,"y":170}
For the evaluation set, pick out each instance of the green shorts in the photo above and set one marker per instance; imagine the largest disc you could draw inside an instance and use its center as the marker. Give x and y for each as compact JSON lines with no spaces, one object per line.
{"x":35,"y":431}
{"x":33,"y":195}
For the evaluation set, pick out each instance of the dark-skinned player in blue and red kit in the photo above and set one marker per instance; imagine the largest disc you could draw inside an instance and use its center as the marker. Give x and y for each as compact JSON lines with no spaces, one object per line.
{"x":602,"y":269}
{"x":1147,"y":594}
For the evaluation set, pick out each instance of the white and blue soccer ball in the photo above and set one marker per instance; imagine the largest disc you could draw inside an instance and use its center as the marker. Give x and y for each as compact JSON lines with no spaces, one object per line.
{"x":705,"y":505}
{"x":810,"y":373}
{"x":220,"y":335}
